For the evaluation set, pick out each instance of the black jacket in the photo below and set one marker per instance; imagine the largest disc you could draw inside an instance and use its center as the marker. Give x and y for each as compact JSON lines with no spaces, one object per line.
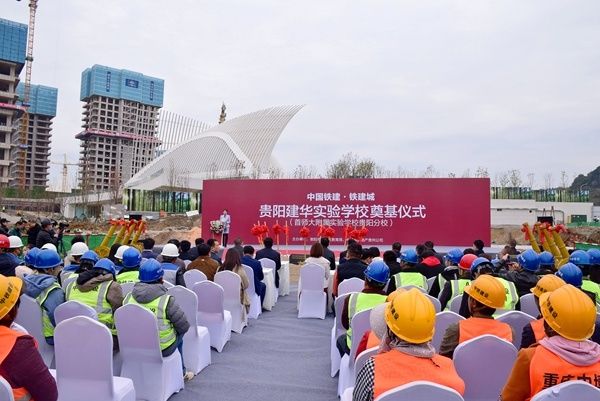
{"x":350,"y":268}
{"x":270,"y":253}
{"x":330,"y":256}
{"x":44,"y":238}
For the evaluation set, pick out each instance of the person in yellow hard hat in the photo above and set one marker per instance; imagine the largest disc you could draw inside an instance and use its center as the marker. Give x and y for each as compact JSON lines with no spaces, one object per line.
{"x":406,"y":353}
{"x":21,"y":364}
{"x":485,"y":295}
{"x":533,"y":332}
{"x":565,"y":354}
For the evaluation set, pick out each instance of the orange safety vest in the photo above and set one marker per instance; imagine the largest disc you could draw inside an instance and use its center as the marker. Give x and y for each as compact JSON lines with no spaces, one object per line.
{"x":538,"y":329}
{"x":8,"y":338}
{"x":478,"y":326}
{"x":548,"y":369}
{"x":372,"y":340}
{"x":394,"y":368}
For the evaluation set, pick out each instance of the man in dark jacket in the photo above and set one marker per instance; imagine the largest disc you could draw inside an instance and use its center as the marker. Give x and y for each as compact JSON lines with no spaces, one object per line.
{"x":148,"y":252}
{"x":248,"y":260}
{"x":185,"y":251}
{"x":46,"y":234}
{"x":352,"y":267}
{"x":523,"y":274}
{"x":430,"y":265}
{"x":269,"y":253}
{"x":3,"y":226}
{"x":328,"y":253}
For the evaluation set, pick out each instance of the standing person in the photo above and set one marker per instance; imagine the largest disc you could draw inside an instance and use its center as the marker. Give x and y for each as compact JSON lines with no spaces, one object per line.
{"x":512,"y":247}
{"x":225,"y":219}
{"x":269,"y":253}
{"x":316,"y":257}
{"x":151,"y":294}
{"x":328,"y":253}
{"x":248,"y":259}
{"x":46,"y":234}
{"x":20,"y":362}
{"x":32,"y":233}
{"x":205,"y":263}
{"x":565,"y":354}
{"x":17,"y":229}
{"x":3,"y":226}
{"x":233,"y":263}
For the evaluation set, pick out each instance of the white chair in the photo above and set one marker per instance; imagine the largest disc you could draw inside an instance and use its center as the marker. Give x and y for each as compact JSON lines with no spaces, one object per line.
{"x":442,"y":321}
{"x":336,"y":331}
{"x":436,"y":303}
{"x":361,"y":361}
{"x":312,"y":299}
{"x":192,"y":277}
{"x":212,"y":314}
{"x":155,"y":377}
{"x":91,"y":375}
{"x":66,"y":282}
{"x":30,"y":317}
{"x":517,"y":320}
{"x":170,"y":276}
{"x":232,"y":285}
{"x":528,"y":306}
{"x":484,"y":364}
{"x":255,"y":305}
{"x":6,"y":393}
{"x":270,"y":264}
{"x":574,"y":390}
{"x":187,"y":262}
{"x":127,"y":288}
{"x":430,"y":282}
{"x":353,"y":284}
{"x":360,"y":324}
{"x":454,"y":304}
{"x":196,"y":350}
{"x":71,"y":309}
{"x":284,"y":279}
{"x":168,"y":284}
{"x":421,"y":391}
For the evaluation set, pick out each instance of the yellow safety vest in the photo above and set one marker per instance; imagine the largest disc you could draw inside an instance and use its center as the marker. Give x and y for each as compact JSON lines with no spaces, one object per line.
{"x":47,"y":327}
{"x":96,"y":299}
{"x":128,"y":277}
{"x":403,"y":279}
{"x":358,"y":303}
{"x":511,"y":294}
{"x":590,"y":286}
{"x":166,"y":332}
{"x":458,"y":288}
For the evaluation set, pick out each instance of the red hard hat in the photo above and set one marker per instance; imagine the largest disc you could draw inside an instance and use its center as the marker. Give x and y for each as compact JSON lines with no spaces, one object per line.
{"x":466,"y":261}
{"x":4,"y":242}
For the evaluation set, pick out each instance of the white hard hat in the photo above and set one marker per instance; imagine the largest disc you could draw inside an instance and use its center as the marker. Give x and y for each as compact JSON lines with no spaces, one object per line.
{"x":170,"y":250}
{"x":50,"y":245}
{"x":15,"y":242}
{"x":79,"y":248}
{"x":120,"y":251}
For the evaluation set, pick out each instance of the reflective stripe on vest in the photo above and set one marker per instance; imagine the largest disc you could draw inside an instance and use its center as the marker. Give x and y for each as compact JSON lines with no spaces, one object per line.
{"x":8,"y":337}
{"x":548,"y":369}
{"x":458,"y":286}
{"x":96,"y":299}
{"x":403,"y":279}
{"x":590,"y":286}
{"x":158,"y":306}
{"x":511,"y":294}
{"x":128,"y":277}
{"x":537,"y":326}
{"x":441,"y":281}
{"x":358,"y":303}
{"x":47,"y":327}
{"x":478,"y":326}
{"x":393,"y":369}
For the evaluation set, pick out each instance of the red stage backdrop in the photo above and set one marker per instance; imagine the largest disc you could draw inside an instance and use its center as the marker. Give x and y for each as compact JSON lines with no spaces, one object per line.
{"x":447,"y":211}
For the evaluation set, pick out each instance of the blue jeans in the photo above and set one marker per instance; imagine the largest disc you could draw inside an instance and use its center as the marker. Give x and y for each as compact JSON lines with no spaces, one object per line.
{"x":179,"y":342}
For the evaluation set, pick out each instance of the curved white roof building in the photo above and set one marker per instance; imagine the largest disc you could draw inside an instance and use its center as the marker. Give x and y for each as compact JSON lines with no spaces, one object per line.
{"x":240,"y":147}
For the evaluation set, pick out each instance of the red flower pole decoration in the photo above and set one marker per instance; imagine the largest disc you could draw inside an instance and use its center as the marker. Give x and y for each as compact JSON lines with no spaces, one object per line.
{"x":347,"y":230}
{"x":363,"y":233}
{"x":321,"y":232}
{"x":277,"y":230}
{"x":304,"y":233}
{"x":329,"y":232}
{"x":286,"y":231}
{"x":256,"y":230}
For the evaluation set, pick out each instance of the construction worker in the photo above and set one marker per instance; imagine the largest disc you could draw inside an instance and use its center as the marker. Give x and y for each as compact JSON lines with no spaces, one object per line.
{"x":455,"y":287}
{"x":406,"y":352}
{"x":573,"y":275}
{"x":546,"y":264}
{"x":409,"y":275}
{"x":150,"y":293}
{"x":98,"y":289}
{"x":169,"y":254}
{"x":377,"y":275}
{"x":451,"y":271}
{"x":582,"y":260}
{"x":486,"y":294}
{"x":565,"y":354}
{"x":77,"y":250}
{"x":8,"y":261}
{"x":533,"y":332}
{"x":119,"y":257}
{"x":131,"y":266}
{"x":523,"y":273}
{"x":594,"y":255}
{"x":43,"y":286}
{"x":20,"y":362}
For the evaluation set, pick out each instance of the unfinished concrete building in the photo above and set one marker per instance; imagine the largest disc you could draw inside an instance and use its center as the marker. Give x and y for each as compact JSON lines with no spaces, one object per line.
{"x":120,"y":118}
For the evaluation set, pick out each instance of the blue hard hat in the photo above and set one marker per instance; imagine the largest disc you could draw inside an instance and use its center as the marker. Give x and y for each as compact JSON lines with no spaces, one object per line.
{"x":409,"y":256}
{"x":571,"y":274}
{"x":480,"y":262}
{"x":151,"y":270}
{"x":594,"y":255}
{"x":47,"y":259}
{"x":31,"y":255}
{"x":90,"y":255}
{"x":580,"y":258}
{"x":378,"y":271}
{"x":546,"y":259}
{"x":106,"y":264}
{"x":529,"y":260}
{"x":454,"y":255}
{"x":131,"y":257}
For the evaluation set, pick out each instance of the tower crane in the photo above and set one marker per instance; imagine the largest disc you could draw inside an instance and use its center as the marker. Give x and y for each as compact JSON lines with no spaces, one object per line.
{"x":65,"y":172}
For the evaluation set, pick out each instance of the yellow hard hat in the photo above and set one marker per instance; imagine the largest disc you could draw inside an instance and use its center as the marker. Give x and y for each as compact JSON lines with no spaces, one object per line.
{"x":570,"y":312}
{"x":488,"y":290}
{"x":547,"y":283}
{"x":394,"y":293}
{"x":411,"y":316}
{"x":10,"y":291}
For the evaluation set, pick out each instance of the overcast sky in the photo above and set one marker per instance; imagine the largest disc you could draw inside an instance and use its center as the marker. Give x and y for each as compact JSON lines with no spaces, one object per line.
{"x":453,"y":84}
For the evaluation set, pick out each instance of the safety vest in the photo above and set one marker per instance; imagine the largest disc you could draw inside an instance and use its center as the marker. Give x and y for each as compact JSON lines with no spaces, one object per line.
{"x":537,"y":326}
{"x":95,"y":298}
{"x":548,"y":369}
{"x":128,"y":277}
{"x":479,"y":326}
{"x":166,"y":332}
{"x":458,"y":286}
{"x":47,"y":327}
{"x":394,"y":368}
{"x":511,"y":294}
{"x":590,"y":286}
{"x":358,"y":303}
{"x":372,"y":340}
{"x":8,"y":337}
{"x":403,"y":279}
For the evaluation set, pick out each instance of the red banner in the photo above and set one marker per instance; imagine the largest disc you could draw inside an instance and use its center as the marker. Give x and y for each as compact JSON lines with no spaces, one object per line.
{"x":447,"y":211}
